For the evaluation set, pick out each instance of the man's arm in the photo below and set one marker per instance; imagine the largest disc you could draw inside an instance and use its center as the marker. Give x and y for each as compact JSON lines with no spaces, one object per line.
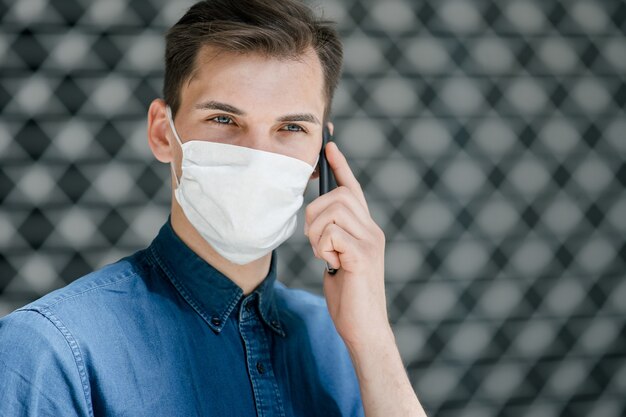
{"x":342,"y":232}
{"x":38,"y":373}
{"x":383,"y":382}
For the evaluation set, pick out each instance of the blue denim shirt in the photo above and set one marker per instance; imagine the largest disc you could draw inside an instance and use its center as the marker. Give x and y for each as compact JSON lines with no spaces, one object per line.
{"x":162,"y":333}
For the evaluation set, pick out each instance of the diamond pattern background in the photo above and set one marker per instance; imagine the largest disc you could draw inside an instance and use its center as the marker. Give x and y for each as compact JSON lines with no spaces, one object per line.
{"x":489,"y":136}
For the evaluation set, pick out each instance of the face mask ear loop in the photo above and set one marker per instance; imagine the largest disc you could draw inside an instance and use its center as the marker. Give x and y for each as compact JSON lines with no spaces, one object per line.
{"x":316,"y":162}
{"x":170,"y":119}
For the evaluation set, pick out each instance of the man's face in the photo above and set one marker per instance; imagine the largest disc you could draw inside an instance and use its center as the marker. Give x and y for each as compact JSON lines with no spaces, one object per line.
{"x":251,"y":100}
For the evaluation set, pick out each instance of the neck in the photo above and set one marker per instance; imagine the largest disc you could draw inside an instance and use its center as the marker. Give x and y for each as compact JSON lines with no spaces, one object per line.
{"x":247,"y":276}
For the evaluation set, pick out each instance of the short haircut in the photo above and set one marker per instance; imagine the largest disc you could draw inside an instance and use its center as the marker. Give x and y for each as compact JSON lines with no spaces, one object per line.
{"x":277,"y":28}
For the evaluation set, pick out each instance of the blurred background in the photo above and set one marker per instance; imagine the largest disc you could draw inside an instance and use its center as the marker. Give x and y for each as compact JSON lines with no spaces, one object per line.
{"x":489,"y":136}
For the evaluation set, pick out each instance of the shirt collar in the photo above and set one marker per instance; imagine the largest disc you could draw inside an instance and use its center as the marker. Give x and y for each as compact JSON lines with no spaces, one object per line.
{"x":212,"y":294}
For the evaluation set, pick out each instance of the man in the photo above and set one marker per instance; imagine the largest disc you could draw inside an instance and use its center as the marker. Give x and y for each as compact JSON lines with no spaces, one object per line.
{"x":196,"y":324}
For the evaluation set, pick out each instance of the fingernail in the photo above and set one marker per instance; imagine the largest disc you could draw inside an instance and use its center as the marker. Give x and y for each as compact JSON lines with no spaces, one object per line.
{"x":315,"y":252}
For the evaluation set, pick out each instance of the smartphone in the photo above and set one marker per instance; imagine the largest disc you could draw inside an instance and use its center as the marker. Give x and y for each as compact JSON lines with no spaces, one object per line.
{"x":327,"y":180}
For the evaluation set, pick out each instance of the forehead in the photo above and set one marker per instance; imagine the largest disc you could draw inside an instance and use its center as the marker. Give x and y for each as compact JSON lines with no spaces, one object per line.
{"x":252,"y":73}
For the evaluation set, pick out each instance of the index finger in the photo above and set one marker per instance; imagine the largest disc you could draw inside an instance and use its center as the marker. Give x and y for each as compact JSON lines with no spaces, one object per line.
{"x":342,"y":172}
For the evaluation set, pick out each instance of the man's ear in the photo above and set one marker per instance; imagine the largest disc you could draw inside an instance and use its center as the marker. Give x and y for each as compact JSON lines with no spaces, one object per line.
{"x":331,"y":127}
{"x":158,"y":128}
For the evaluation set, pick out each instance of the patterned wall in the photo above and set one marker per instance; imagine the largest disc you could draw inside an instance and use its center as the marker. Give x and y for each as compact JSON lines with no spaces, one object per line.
{"x":490,"y":137}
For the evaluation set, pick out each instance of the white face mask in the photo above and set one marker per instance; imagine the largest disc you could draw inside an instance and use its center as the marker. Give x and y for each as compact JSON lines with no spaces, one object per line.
{"x":242,"y":201}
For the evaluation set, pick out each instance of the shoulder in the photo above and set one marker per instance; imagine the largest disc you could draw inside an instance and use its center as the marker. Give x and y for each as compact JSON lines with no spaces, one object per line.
{"x":44,"y":344}
{"x":75,"y":313}
{"x":25,"y":328}
{"x":40,"y":368}
{"x":300,"y":303}
{"x":86,"y":289}
{"x":306,"y":315}
{"x":312,"y":334}
{"x":42,"y":322}
{"x":28,"y":336}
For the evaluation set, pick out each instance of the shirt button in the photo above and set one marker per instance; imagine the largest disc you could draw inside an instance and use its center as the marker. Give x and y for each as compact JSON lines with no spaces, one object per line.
{"x":216,"y":321}
{"x":249,"y":307}
{"x":260,"y":367}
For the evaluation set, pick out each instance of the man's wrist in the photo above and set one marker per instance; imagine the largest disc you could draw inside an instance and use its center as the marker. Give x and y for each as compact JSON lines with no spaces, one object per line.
{"x":374,"y":342}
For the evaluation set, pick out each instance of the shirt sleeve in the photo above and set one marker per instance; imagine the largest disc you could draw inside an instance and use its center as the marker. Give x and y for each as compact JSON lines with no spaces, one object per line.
{"x":39,"y":372}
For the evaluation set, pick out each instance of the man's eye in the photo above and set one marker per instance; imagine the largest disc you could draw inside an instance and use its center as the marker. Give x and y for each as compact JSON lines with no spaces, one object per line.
{"x":294,"y":128}
{"x":225,"y":120}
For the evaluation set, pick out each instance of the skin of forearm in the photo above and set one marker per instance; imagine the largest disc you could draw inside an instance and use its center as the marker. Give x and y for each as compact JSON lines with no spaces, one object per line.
{"x":383,"y":381}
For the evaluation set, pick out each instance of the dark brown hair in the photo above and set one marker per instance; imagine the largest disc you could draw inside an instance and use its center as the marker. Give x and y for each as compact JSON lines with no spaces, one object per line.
{"x":278,"y":28}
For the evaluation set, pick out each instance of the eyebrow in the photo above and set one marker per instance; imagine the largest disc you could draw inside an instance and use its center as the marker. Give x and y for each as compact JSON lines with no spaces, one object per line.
{"x":299,"y":117}
{"x":216,"y":105}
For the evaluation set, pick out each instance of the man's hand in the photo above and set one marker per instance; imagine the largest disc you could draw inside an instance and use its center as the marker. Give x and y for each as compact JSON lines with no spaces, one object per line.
{"x":342,"y":232}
